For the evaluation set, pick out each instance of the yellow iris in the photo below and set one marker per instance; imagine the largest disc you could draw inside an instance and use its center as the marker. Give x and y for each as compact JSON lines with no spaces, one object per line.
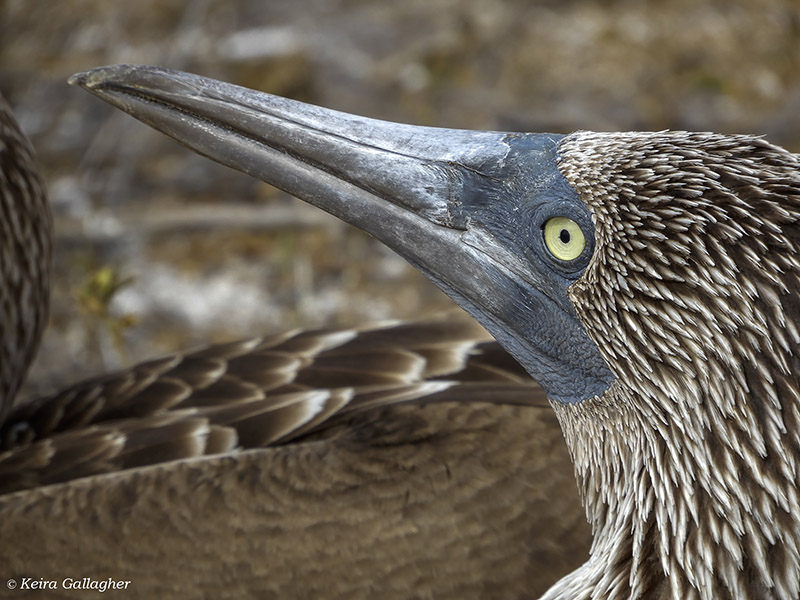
{"x":564,"y":238}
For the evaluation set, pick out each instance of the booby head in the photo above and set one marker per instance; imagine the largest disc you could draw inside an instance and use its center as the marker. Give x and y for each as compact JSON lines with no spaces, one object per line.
{"x":466,"y":208}
{"x":648,"y":281}
{"x":25,"y":253}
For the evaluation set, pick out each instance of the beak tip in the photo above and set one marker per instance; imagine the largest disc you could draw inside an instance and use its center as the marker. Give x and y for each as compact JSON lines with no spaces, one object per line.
{"x":90,"y":79}
{"x":94,"y":79}
{"x":80,"y":79}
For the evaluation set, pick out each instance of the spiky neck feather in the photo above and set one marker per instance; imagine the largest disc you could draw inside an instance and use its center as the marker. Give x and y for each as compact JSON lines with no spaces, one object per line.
{"x":688,"y":465}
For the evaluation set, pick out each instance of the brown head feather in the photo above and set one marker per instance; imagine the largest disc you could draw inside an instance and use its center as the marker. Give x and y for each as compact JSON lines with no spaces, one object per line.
{"x":688,"y":464}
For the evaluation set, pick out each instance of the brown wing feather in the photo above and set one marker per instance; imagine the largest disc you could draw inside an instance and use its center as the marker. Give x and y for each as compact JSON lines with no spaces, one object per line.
{"x":250,"y":394}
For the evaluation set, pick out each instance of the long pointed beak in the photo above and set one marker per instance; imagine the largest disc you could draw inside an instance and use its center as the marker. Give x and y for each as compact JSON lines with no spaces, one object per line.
{"x":417,"y":189}
{"x":397,"y":182}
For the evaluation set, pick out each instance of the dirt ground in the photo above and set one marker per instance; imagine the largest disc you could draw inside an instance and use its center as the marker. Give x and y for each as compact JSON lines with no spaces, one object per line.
{"x":160,"y":250}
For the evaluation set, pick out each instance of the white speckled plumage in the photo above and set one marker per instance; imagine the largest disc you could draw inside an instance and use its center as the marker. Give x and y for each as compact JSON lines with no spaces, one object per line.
{"x":688,"y":465}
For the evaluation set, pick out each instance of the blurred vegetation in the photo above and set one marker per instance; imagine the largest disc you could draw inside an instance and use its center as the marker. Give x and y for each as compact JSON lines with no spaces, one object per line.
{"x":94,"y":298}
{"x":215,"y":255}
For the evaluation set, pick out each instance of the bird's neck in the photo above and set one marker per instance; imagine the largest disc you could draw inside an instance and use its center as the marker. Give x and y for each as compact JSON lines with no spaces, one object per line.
{"x":678,"y":513}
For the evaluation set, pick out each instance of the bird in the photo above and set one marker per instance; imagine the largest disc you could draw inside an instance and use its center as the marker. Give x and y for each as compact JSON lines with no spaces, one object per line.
{"x":648,"y":281}
{"x":401,"y":460}
{"x":26,"y":251}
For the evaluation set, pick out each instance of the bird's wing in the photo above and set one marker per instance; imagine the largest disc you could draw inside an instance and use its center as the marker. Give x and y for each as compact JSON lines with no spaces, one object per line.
{"x":254,"y":393}
{"x":360,"y":490}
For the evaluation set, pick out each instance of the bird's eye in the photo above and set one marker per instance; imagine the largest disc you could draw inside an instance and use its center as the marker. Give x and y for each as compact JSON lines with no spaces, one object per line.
{"x":564,"y":238}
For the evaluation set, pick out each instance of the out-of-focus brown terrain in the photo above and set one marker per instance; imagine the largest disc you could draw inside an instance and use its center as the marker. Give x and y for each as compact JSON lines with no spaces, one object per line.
{"x":160,"y":250}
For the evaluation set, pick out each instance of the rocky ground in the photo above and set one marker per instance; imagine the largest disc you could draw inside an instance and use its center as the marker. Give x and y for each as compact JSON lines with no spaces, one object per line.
{"x":158,"y":249}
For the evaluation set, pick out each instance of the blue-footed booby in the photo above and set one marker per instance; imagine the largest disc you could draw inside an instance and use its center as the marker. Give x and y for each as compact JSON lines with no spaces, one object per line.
{"x":648,"y":281}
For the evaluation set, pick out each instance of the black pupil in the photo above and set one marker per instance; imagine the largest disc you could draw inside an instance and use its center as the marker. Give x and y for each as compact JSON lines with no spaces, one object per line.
{"x":564,"y":236}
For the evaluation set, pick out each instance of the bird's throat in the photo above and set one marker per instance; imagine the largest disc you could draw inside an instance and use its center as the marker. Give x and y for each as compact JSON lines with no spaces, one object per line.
{"x":677,"y":515}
